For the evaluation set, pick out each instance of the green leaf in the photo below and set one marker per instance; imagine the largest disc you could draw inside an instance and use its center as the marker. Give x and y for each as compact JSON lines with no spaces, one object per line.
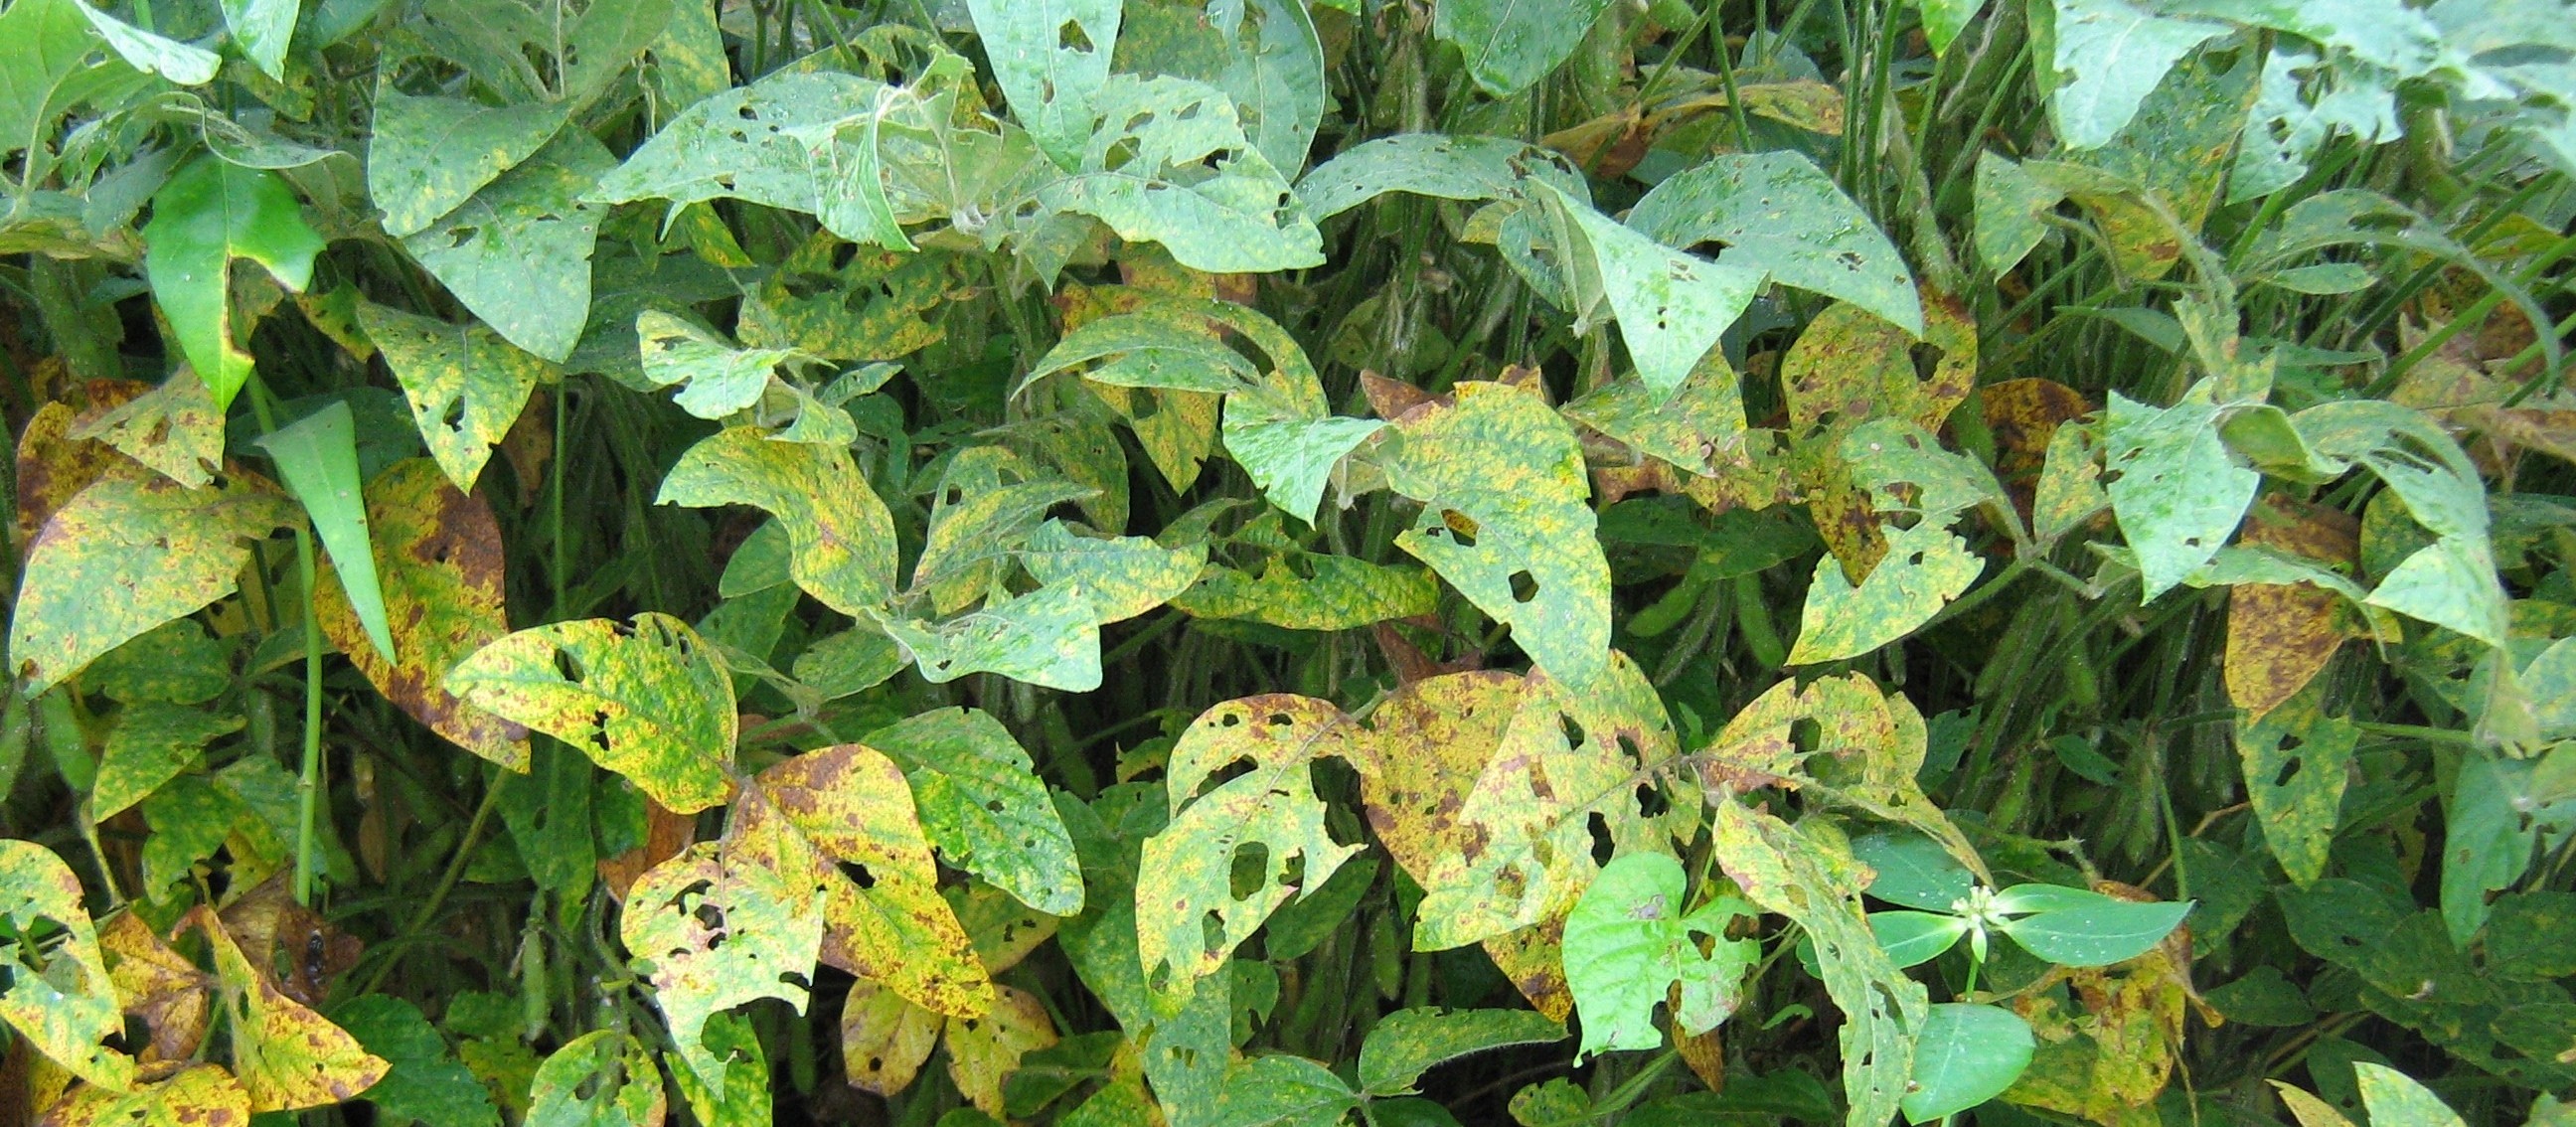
{"x":424,"y":1084}
{"x":59,"y":998}
{"x":45,"y":70}
{"x":1264,"y":55}
{"x":1266,"y":819}
{"x":1671,"y":306}
{"x":1943,"y":20}
{"x":2010,"y":204}
{"x":209,"y":214}
{"x":1629,"y":941}
{"x":852,"y":661}
{"x":1522,"y":547}
{"x":1926,"y":566}
{"x":2492,"y":822}
{"x":1913,"y":870}
{"x":2178,"y":495}
{"x":1280,"y":1090}
{"x":1780,"y":214}
{"x":1171,"y":165}
{"x":1290,"y":456}
{"x":1435,"y":164}
{"x":547,"y":812}
{"x":151,"y":745}
{"x":264,"y":29}
{"x":1407,"y":1043}
{"x":466,"y":385}
{"x":716,"y":927}
{"x":624,"y":1089}
{"x":1164,"y":342}
{"x":1910,"y":938}
{"x":2396,"y":1100}
{"x":840,"y":538}
{"x":183,"y":63}
{"x":647,"y":700}
{"x":2109,"y":54}
{"x":2082,"y":929}
{"x":1687,"y":427}
{"x":722,"y":380}
{"x":1969,"y":1054}
{"x":517,"y":253}
{"x":1509,"y":46}
{"x":317,"y":455}
{"x":983,"y":806}
{"x":2297,"y":761}
{"x":161,"y":549}
{"x":173,"y":663}
{"x":1051,"y":636}
{"x":2451,"y":582}
{"x":426,"y":155}
{"x":1051,"y":59}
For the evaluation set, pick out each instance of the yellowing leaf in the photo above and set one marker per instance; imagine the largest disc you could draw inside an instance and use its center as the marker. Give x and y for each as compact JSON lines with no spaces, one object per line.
{"x":62,"y":1000}
{"x":438,"y":552}
{"x":465,"y":384}
{"x":624,"y":1089}
{"x":840,"y":538}
{"x":884,"y":1039}
{"x":982,"y":1050}
{"x":648,"y":700}
{"x":173,"y":428}
{"x":200,"y":1096}
{"x":983,"y":805}
{"x":2296,"y":760}
{"x":287,"y":1056}
{"x":1850,"y":366}
{"x":158,"y":985}
{"x":1189,"y":917}
{"x":126,"y":555}
{"x":1333,"y":593}
{"x":2280,"y":635}
{"x":721,"y":925}
{"x":150,"y":745}
{"x":1522,"y":547}
{"x":54,"y":467}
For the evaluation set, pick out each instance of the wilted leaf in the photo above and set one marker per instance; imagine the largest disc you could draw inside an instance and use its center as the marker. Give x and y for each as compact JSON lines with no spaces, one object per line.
{"x":208,"y":214}
{"x":648,"y":700}
{"x":62,"y":1001}
{"x":1631,"y":939}
{"x":840,"y":538}
{"x":126,"y":555}
{"x":287,"y":1056}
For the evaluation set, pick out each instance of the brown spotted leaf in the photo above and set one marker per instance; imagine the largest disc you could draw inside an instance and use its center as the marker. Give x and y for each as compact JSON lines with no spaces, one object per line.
{"x":723,"y":924}
{"x":1188,"y":916}
{"x":840,"y":538}
{"x":602,"y":1078}
{"x":438,"y":557}
{"x":1849,"y":366}
{"x":2280,"y":635}
{"x":885,"y":919}
{"x":884,"y":1039}
{"x":983,"y":1050}
{"x":1841,"y":739}
{"x":158,"y":985}
{"x":465,"y":384}
{"x":297,"y":943}
{"x":287,"y":1056}
{"x":128,"y":554}
{"x":53,"y":467}
{"x":202,"y":1096}
{"x":61,"y":999}
{"x":648,"y":699}
{"x":173,"y":428}
{"x":2297,"y":759}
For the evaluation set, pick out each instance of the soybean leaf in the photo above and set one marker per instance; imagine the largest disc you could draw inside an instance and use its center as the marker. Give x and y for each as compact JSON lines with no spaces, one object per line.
{"x":2297,"y":761}
{"x":287,"y":1056}
{"x":183,"y":63}
{"x":517,"y":253}
{"x":1943,"y":20}
{"x":1170,"y":164}
{"x":1051,"y":59}
{"x":720,"y":379}
{"x":1969,"y":1054}
{"x":2494,"y":819}
{"x":1509,"y":46}
{"x":210,"y":213}
{"x":317,"y":455}
{"x":648,"y":700}
{"x":1671,"y":306}
{"x":204,"y":1092}
{"x":1407,"y":1043}
{"x":983,"y":805}
{"x":45,"y":70}
{"x":2096,"y":934}
{"x":1290,"y":454}
{"x":61,"y":999}
{"x":982,"y":1050}
{"x":602,"y":1078}
{"x":726,"y":1078}
{"x":2110,"y":54}
{"x":1780,"y":214}
{"x":127,"y":554}
{"x":465,"y":384}
{"x":426,"y":155}
{"x":1521,"y":544}
{"x":840,"y":538}
{"x":1464,"y":167}
{"x":2451,"y":582}
{"x":2396,"y":1100}
{"x":1265,"y":55}
{"x":2178,"y":495}
{"x":150,"y":745}
{"x":264,"y":29}
{"x":721,"y":925}
{"x":1629,"y":941}
{"x":884,"y":1039}
{"x":1913,"y":870}
{"x":1315,"y":592}
{"x":423,"y":1082}
{"x":173,"y":428}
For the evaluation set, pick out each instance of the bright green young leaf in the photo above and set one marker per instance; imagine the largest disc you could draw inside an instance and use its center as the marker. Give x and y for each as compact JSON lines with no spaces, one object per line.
{"x":721,"y":379}
{"x":150,"y":745}
{"x":1629,"y":940}
{"x":840,"y":538}
{"x":648,"y":700}
{"x":1435,"y":164}
{"x":2092,"y":931}
{"x":1508,"y":45}
{"x":1407,"y":1043}
{"x":2178,"y":494}
{"x":1969,"y":1054}
{"x":2396,"y":1100}
{"x":1267,"y":817}
{"x":59,"y":999}
{"x":2110,"y":53}
{"x":1910,"y":938}
{"x":426,"y":155}
{"x":1671,"y":306}
{"x":317,"y":455}
{"x":517,"y":253}
{"x":465,"y":384}
{"x":1170,"y":164}
{"x":719,"y":926}
{"x":614,"y":1069}
{"x":129,"y":553}
{"x":1521,"y":546}
{"x":424,"y":1084}
{"x":1051,"y":59}
{"x":2297,"y":761}
{"x":1913,"y":870}
{"x":209,"y":214}
{"x":1780,"y":214}
{"x":983,"y":805}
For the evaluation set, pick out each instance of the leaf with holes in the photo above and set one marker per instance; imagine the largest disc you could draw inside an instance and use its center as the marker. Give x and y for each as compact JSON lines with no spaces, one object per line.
{"x":124,"y":556}
{"x":1925,"y":567}
{"x":61,"y":1000}
{"x":1508,"y":45}
{"x":720,"y":379}
{"x":201,"y":1095}
{"x":2499,"y":811}
{"x":983,"y":1050}
{"x":1051,"y":636}
{"x":2296,"y":760}
{"x":1630,"y":941}
{"x":1574,"y":778}
{"x":648,"y":700}
{"x":884,"y":1039}
{"x":466,"y":385}
{"x":287,"y":1056}
{"x":1671,"y":306}
{"x":602,"y":1078}
{"x":173,"y":428}
{"x":1170,"y":164}
{"x":1435,"y":164}
{"x":2451,"y":582}
{"x":1850,"y":366}
{"x":517,"y":253}
{"x":1265,"y":55}
{"x":438,"y":552}
{"x":723,"y":924}
{"x":2177,"y":493}
{"x":209,"y":214}
{"x":1234,"y":854}
{"x":840,"y":538}
{"x":983,"y":806}
{"x":1780,"y":214}
{"x":1521,"y":547}
{"x":1051,"y":59}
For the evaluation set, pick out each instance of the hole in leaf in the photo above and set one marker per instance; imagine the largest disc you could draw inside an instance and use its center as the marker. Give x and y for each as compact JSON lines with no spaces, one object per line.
{"x":1524,"y":586}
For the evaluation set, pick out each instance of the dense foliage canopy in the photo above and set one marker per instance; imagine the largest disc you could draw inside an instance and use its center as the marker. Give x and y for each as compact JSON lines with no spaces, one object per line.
{"x":1288,"y":562}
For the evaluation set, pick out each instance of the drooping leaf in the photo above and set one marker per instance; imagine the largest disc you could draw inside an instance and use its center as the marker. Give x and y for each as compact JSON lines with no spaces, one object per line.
{"x":1434,"y":164}
{"x":517,"y":252}
{"x":159,"y":986}
{"x":317,"y":455}
{"x":2110,"y":53}
{"x":438,"y":553}
{"x":465,"y":384}
{"x":1969,"y":1054}
{"x":423,"y":1083}
{"x":1267,"y":819}
{"x":210,"y":213}
{"x":1778,"y":213}
{"x":624,"y":1089}
{"x":62,"y":1000}
{"x":840,"y":538}
{"x":983,"y":806}
{"x":1631,"y":939}
{"x":884,"y":1039}
{"x":1521,"y":547}
{"x":1510,"y":46}
{"x":2178,"y":494}
{"x":648,"y":700}
{"x":287,"y":1056}
{"x":1407,"y":1043}
{"x":1051,"y":59}
{"x":126,"y":555}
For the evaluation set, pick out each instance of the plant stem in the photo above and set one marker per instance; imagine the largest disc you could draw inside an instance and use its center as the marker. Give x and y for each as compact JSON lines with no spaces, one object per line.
{"x":308,"y":777}
{"x":420,"y":920}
